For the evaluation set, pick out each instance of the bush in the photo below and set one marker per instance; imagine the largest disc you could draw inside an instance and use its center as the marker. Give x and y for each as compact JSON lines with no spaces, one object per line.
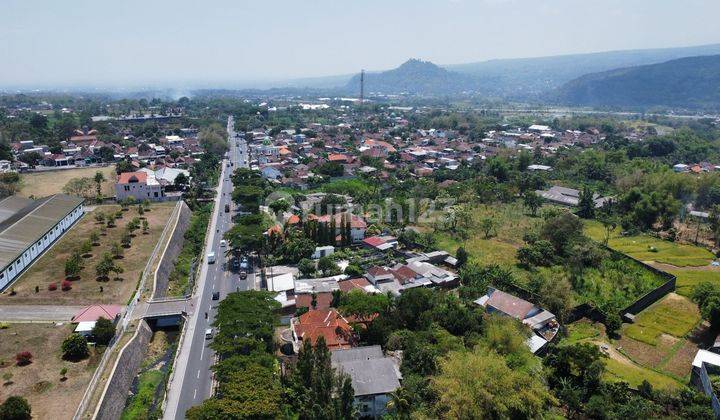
{"x":75,"y":347}
{"x":353,"y":271}
{"x":103,"y":331}
{"x":52,"y":287}
{"x":23,"y":358}
{"x":66,"y":285}
{"x":15,"y":408}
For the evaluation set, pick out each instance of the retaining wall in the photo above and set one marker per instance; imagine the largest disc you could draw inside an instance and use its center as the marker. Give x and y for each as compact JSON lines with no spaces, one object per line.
{"x":174,"y":246}
{"x":126,"y":368}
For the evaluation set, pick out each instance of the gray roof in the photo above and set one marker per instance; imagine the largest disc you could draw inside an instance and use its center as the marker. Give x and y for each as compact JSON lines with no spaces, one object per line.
{"x":11,"y":205}
{"x":371,"y":373}
{"x":357,"y":353}
{"x":29,"y":224}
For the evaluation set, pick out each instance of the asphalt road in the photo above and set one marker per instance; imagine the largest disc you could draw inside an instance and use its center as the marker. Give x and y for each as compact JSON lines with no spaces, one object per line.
{"x":38,"y":313}
{"x":195,"y":354}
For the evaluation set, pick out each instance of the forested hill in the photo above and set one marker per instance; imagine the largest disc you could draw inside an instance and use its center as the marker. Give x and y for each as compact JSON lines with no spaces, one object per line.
{"x":692,"y":82}
{"x":414,"y":77}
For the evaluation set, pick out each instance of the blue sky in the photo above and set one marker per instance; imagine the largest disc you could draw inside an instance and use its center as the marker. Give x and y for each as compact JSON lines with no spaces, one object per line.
{"x":223,"y":43}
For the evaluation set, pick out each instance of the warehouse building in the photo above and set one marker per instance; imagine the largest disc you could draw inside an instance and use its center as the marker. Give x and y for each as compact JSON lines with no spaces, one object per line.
{"x":28,"y":227}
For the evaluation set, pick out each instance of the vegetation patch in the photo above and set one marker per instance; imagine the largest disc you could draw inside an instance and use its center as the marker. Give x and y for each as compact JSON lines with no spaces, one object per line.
{"x":674,"y":315}
{"x":634,"y":375}
{"x":194,"y":239}
{"x":649,"y":248}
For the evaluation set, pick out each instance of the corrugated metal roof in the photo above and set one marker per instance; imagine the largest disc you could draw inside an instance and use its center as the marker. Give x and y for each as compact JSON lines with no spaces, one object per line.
{"x":29,"y":224}
{"x":11,"y":205}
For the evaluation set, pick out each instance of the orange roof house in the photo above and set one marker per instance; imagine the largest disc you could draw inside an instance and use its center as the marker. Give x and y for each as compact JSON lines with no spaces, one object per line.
{"x":326,"y":323}
{"x":337,"y":157}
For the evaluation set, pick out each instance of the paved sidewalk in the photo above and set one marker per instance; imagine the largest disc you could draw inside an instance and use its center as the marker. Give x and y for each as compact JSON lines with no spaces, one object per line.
{"x":38,"y":313}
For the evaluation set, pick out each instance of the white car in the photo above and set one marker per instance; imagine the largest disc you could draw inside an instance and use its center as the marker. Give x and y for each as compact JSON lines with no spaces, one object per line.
{"x":223,"y":243}
{"x":211,"y":257}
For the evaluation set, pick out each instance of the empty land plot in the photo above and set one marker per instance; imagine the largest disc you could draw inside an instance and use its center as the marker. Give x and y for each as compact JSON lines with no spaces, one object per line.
{"x":41,"y":184}
{"x":648,"y":248}
{"x":40,"y":382}
{"x":673,"y":315}
{"x":634,"y":375}
{"x":688,"y":278}
{"x":50,"y":267}
{"x":510,"y":225}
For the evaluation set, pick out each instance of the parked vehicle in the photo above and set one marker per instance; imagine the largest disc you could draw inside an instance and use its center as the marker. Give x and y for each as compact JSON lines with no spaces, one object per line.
{"x":208,"y":333}
{"x":227,"y":208}
{"x":216,"y":296}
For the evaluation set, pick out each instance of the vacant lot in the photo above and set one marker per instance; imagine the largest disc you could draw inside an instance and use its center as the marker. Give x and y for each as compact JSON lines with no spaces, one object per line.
{"x":40,"y":382}
{"x":674,"y":315}
{"x":634,"y":375}
{"x":690,"y":277}
{"x":648,"y":248}
{"x":86,"y":289}
{"x":41,"y":184}
{"x":510,"y":225}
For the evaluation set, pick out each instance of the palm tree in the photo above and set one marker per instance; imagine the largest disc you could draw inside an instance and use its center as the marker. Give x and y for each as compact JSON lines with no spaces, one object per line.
{"x":400,"y":403}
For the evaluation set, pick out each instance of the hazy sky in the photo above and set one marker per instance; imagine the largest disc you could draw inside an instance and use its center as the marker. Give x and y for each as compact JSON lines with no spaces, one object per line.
{"x":214,"y":43}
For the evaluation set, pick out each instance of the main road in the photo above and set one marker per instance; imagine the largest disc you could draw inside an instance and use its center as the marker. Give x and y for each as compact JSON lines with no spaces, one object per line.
{"x":192,"y":382}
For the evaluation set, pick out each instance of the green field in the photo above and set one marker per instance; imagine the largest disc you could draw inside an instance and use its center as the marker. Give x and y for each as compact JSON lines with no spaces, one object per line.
{"x":673,"y":315}
{"x":581,"y":331}
{"x":639,"y":247}
{"x":688,"y":279}
{"x":634,"y":375}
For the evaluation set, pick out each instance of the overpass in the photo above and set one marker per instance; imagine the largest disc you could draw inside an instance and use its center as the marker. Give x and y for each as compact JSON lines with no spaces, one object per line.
{"x":164,"y":308}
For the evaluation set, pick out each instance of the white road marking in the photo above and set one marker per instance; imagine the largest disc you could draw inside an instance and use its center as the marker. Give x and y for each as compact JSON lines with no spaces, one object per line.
{"x":195,"y":394}
{"x":198,"y":375}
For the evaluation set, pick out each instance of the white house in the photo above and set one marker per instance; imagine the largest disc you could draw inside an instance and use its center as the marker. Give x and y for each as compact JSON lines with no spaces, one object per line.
{"x":138,"y":185}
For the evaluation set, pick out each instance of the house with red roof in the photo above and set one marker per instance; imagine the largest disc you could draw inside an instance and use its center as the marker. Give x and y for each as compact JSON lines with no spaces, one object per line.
{"x":326,"y":323}
{"x":94,"y":312}
{"x":358,"y":226}
{"x":140,"y":185}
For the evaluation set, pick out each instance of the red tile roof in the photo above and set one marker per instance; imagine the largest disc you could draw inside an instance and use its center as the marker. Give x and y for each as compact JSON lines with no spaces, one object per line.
{"x":322,"y":300}
{"x":351,"y":284}
{"x":510,"y":305}
{"x":94,"y":312}
{"x":324,"y":323}
{"x":127,"y":177}
{"x":373,"y":241}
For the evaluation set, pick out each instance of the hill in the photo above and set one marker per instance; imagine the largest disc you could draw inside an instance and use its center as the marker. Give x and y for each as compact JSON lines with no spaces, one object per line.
{"x":414,"y":77}
{"x":692,"y":82}
{"x":533,"y":77}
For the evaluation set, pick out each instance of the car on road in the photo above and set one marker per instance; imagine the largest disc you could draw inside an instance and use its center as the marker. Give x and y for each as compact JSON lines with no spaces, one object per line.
{"x":223,"y":243}
{"x":208,"y":333}
{"x":216,"y":296}
{"x":211,"y":257}
{"x":234,"y":264}
{"x":227,"y":208}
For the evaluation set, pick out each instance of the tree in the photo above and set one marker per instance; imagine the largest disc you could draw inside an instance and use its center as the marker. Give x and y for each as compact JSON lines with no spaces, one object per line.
{"x":487,"y":225}
{"x":462,"y":257}
{"x":15,"y":408}
{"x":307,"y":267}
{"x":99,"y":178}
{"x":117,"y":250}
{"x":279,"y":206}
{"x":532,"y":201}
{"x":353,"y":270}
{"x":75,"y":347}
{"x":126,"y":239}
{"x":480,"y":384}
{"x":63,"y":374}
{"x":363,"y":305}
{"x":105,"y":266}
{"x":86,"y":248}
{"x":100,"y":217}
{"x":181,"y":181}
{"x":145,"y":227}
{"x":586,"y":204}
{"x":400,"y":403}
{"x":73,"y":265}
{"x":103,"y":331}
{"x":328,"y":266}
{"x":94,"y":238}
{"x":80,"y":187}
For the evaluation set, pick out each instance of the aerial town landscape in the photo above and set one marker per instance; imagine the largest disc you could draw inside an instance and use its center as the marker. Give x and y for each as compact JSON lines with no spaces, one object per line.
{"x":276,"y":234}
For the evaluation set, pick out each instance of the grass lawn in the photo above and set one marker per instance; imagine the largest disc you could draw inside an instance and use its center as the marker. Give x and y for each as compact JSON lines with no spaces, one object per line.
{"x":673,"y":315}
{"x":511,"y":224}
{"x":634,"y":375}
{"x":41,"y":184}
{"x":50,"y":268}
{"x":581,"y":331}
{"x":638,"y":246}
{"x":688,"y":279}
{"x":40,"y":382}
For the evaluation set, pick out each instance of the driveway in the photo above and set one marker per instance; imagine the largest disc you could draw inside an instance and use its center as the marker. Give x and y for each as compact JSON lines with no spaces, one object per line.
{"x":38,"y":313}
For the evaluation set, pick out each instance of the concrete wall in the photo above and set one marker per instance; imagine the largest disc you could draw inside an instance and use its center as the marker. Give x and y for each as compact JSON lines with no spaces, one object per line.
{"x":174,"y":247}
{"x":125,"y":370}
